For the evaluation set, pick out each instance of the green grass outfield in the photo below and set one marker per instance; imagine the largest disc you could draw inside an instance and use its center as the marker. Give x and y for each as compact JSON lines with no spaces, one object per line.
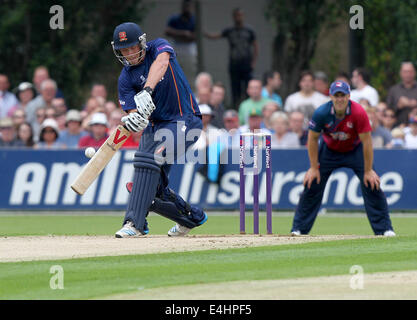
{"x":100,"y":277}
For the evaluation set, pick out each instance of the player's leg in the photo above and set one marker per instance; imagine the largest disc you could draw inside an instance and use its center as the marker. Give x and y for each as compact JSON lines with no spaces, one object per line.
{"x":310,"y":199}
{"x":376,"y":205}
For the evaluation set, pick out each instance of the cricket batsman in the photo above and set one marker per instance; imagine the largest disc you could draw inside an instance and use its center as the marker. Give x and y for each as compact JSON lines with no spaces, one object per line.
{"x":155,"y":94}
{"x":346,"y":142}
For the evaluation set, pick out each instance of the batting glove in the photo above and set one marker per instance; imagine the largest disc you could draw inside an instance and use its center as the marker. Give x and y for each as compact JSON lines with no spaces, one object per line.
{"x":135,"y":122}
{"x":144,"y":102}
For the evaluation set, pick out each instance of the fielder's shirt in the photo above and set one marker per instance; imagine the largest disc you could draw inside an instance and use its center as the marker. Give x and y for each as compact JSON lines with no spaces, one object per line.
{"x":172,"y":96}
{"x":341,"y":135}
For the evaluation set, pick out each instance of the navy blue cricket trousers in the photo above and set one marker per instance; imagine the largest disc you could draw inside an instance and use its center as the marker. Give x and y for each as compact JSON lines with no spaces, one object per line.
{"x":310,"y":200}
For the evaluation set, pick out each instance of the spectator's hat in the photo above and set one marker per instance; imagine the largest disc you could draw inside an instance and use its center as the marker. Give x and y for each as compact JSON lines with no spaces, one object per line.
{"x":230,"y":114}
{"x":99,"y":118}
{"x":339,"y":86}
{"x":24,"y":86}
{"x":205,"y":109}
{"x":73,"y":115}
{"x":412,"y":120}
{"x":49,"y":123}
{"x":6,"y":123}
{"x":255,"y":113}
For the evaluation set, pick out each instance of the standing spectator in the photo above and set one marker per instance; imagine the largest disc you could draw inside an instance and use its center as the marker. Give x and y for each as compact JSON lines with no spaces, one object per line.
{"x":321,"y":83}
{"x":402,"y":97}
{"x":73,"y":132}
{"x":41,"y":74}
{"x":381,"y":137}
{"x":181,"y":27}
{"x":282,"y":137}
{"x":243,"y":54}
{"x":49,"y":135}
{"x":296,"y":125}
{"x":255,"y":101}
{"x":360,"y":80}
{"x":272,"y":82}
{"x":307,"y":100}
{"x":268,"y":109}
{"x":98,"y":135}
{"x":8,"y":134}
{"x":25,"y":93}
{"x":18,"y":117}
{"x":217,"y":104}
{"x":8,"y":101}
{"x":48,"y":92}
{"x":411,"y":135}
{"x":25,"y":134}
{"x":389,"y":120}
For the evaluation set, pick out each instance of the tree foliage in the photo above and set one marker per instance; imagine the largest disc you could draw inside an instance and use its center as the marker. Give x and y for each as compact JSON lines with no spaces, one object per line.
{"x":74,"y":55}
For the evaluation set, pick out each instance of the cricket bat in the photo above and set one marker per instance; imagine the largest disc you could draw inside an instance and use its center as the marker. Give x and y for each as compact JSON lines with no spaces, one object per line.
{"x":100,"y":159}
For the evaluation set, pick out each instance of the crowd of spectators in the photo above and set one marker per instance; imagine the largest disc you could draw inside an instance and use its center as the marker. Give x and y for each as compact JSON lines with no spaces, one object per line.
{"x":35,"y":115}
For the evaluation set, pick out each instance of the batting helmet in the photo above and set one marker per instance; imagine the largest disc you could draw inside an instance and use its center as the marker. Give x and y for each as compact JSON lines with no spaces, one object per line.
{"x":127,"y":35}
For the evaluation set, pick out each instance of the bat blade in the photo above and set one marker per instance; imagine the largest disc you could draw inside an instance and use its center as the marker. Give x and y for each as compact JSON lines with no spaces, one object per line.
{"x":101,"y":158}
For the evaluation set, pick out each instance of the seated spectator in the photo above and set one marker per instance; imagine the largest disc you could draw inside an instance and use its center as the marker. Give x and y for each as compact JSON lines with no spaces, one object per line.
{"x":297,"y":124}
{"x":360,"y":80}
{"x":402,"y":97}
{"x":365,"y":103}
{"x":381,"y":137}
{"x":272,"y":82}
{"x":98,"y":132}
{"x":231,"y":121}
{"x":411,"y":135}
{"x":255,"y":101}
{"x":321,"y":83}
{"x":254,"y":125}
{"x":115,"y":119}
{"x":73,"y":132}
{"x":8,"y":101}
{"x":49,"y":135}
{"x":59,"y":105}
{"x":398,"y":138}
{"x":282,"y":138}
{"x":8,"y":137}
{"x":203,"y":80}
{"x":25,"y":134}
{"x":25,"y":93}
{"x":41,"y":74}
{"x":268,"y":109}
{"x":91,"y":107}
{"x":209,"y":133}
{"x":217,"y":104}
{"x":48,"y":92}
{"x":109,"y":107}
{"x":389,"y":119}
{"x":18,"y":117}
{"x":342,"y":76}
{"x":40,"y":117}
{"x":61,"y":120}
{"x":380,"y":109}
{"x":203,"y":95}
{"x":307,"y":100}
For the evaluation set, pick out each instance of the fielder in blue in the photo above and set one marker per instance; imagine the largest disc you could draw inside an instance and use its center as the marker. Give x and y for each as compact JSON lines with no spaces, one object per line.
{"x":346,"y":142}
{"x":157,"y":98}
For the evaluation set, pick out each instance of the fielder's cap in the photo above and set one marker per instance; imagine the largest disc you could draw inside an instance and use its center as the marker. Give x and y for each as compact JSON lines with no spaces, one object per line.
{"x":412,"y":119}
{"x":339,"y":86}
{"x":6,"y":122}
{"x":50,"y":123}
{"x":205,"y":109}
{"x":73,"y":115}
{"x":98,"y":118}
{"x":255,"y":113}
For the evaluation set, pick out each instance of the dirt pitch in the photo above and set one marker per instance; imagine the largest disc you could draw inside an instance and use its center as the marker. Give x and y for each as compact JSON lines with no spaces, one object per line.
{"x":29,"y":248}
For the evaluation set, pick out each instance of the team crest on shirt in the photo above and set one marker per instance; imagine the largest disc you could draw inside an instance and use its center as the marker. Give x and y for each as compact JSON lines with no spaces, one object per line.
{"x":349,"y":124}
{"x":122,"y":36}
{"x":328,"y":125}
{"x":340,"y":135}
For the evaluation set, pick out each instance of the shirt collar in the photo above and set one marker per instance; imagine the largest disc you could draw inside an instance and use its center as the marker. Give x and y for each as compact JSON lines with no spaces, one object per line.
{"x":347,"y":112}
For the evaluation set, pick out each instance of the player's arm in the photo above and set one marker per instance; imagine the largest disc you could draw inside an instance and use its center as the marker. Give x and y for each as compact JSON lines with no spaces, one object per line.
{"x":158,"y":69}
{"x":183,"y":35}
{"x":370,"y":178}
{"x":313,"y":154}
{"x":212,"y":35}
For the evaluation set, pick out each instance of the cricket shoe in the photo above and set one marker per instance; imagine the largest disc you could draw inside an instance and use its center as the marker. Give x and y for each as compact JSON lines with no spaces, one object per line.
{"x":389,"y":233}
{"x":180,"y":231}
{"x":296,"y":233}
{"x":128,"y":231}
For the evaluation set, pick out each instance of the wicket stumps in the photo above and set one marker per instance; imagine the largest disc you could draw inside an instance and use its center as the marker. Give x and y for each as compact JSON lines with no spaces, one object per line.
{"x":255,"y":140}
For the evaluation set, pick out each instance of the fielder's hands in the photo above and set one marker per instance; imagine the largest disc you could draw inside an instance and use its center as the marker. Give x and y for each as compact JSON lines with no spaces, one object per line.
{"x":312,"y":173}
{"x":135,"y":122}
{"x":371,"y":180}
{"x":144,"y":103}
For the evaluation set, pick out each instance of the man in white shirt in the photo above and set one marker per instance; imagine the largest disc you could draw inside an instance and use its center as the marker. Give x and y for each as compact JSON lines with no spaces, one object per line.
{"x":411,"y":135}
{"x":307,"y":100}
{"x":362,"y":89}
